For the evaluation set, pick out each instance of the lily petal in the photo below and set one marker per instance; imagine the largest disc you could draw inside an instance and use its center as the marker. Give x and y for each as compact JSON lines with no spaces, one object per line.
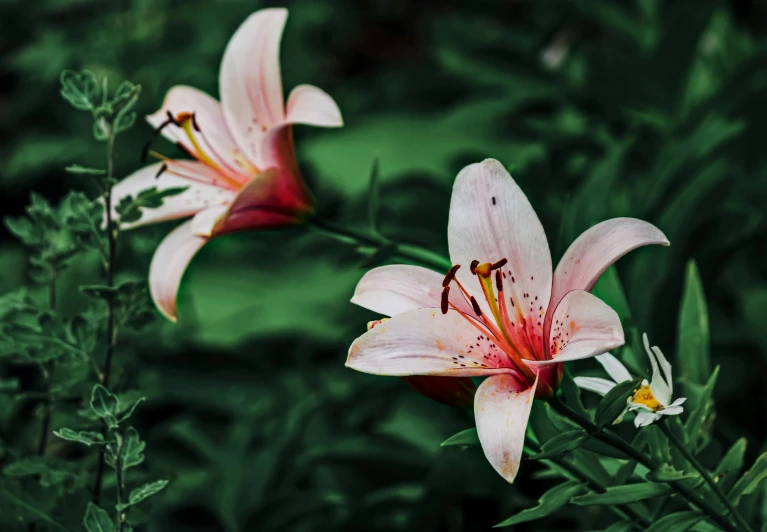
{"x":614,"y":368}
{"x":584,"y":326}
{"x":265,"y":201}
{"x":250,"y":81}
{"x":168,"y":265}
{"x":198,"y":196}
{"x":502,"y":409}
{"x":394,"y":289}
{"x":310,"y":105}
{"x":213,"y":136}
{"x":492,"y":219}
{"x":595,"y":250}
{"x":426,"y":342}
{"x":595,"y":384}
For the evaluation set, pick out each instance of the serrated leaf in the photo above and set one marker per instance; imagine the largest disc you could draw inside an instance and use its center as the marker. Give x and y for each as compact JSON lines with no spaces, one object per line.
{"x":693,"y":337}
{"x":465,"y":437}
{"x":666,"y":473}
{"x":625,"y":494}
{"x":129,"y":412}
{"x":678,"y":522}
{"x":130,"y":208}
{"x":83,"y":170}
{"x":83,"y":436}
{"x":561,"y":444}
{"x":97,"y":519}
{"x":550,"y":502}
{"x":142,"y":493}
{"x":104,"y":404}
{"x":751,"y":479}
{"x":132,"y":451}
{"x":613,"y":404}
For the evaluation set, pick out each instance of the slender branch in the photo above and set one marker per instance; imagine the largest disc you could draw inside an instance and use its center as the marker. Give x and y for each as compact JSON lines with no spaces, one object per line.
{"x":47,"y":371}
{"x":120,"y":486}
{"x":374,"y":239}
{"x":627,"y":449}
{"x":742,"y":523}
{"x":110,"y":266}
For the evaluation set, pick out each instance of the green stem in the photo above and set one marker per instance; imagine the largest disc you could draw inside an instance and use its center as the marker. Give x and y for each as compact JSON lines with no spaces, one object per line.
{"x":626,"y":448}
{"x":110,"y":265}
{"x":363,"y":238}
{"x":706,"y":476}
{"x":47,"y":371}
{"x":120,"y":487}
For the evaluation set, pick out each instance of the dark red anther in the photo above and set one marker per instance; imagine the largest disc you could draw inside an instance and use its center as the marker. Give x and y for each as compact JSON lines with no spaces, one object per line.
{"x":161,"y":170}
{"x":445,"y":300}
{"x":473,"y":266}
{"x":194,"y":122}
{"x":172,"y":119}
{"x":145,"y":151}
{"x":476,"y":306}
{"x":500,"y":264}
{"x":450,"y":275}
{"x":498,"y":280}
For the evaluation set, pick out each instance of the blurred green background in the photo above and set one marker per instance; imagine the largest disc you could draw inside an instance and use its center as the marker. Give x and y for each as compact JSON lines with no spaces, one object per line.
{"x":643,"y":108}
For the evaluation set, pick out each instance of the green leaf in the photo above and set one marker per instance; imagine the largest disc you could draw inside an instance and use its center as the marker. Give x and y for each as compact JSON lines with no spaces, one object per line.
{"x":667,"y":473}
{"x":104,"y":404}
{"x":572,"y":393}
{"x":80,"y":90}
{"x":129,"y":208}
{"x":693,"y":353}
{"x":128,"y":413}
{"x":751,"y":479}
{"x":48,"y":473}
{"x":142,"y":493}
{"x":678,"y":522}
{"x":625,"y":494}
{"x":97,"y":519}
{"x":125,"y":98}
{"x":731,"y":465}
{"x":83,"y":170}
{"x":374,"y":198}
{"x":25,"y":230}
{"x":550,"y":502}
{"x":97,"y":291}
{"x":465,"y":437}
{"x":561,"y":444}
{"x":699,"y":415}
{"x":620,"y":526}
{"x":132,"y":452}
{"x":83,"y":436}
{"x":613,"y":404}
{"x":610,"y":290}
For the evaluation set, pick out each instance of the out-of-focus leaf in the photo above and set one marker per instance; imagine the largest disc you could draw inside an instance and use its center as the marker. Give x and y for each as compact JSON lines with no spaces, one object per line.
{"x":692,"y":345}
{"x":550,"y":502}
{"x":80,"y":90}
{"x":561,"y":444}
{"x":465,"y":437}
{"x":624,"y":494}
{"x":731,"y":465}
{"x":97,"y":519}
{"x":132,"y":453}
{"x":142,"y":493}
{"x":86,"y":437}
{"x":701,"y":404}
{"x":751,"y":479}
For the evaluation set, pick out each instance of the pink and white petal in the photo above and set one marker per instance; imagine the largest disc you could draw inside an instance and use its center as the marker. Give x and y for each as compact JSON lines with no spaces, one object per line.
{"x":266,"y":201}
{"x":214,"y":138}
{"x":595,"y":250}
{"x":594,"y":384}
{"x":310,"y":105}
{"x":398,"y":288}
{"x":426,"y":342}
{"x":492,"y":219}
{"x":250,"y":81}
{"x":584,"y":326}
{"x":501,"y":410}
{"x":614,"y":368}
{"x":205,"y":221}
{"x":169,"y":263}
{"x":196,"y":197}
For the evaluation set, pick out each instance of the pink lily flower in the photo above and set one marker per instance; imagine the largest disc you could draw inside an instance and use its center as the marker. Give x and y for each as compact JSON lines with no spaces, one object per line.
{"x":245,"y":174}
{"x":499,"y":312}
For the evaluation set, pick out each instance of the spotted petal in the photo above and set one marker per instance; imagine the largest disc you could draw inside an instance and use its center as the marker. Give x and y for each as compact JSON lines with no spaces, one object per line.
{"x":501,"y":409}
{"x":491,"y":219}
{"x":168,"y":265}
{"x":394,"y":289}
{"x":250,"y":81}
{"x":426,"y":342}
{"x":584,"y":326}
{"x":199,"y":194}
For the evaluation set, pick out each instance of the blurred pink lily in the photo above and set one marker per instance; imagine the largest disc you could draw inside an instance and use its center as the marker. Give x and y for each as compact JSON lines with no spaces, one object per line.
{"x":499,"y":312}
{"x":245,"y":174}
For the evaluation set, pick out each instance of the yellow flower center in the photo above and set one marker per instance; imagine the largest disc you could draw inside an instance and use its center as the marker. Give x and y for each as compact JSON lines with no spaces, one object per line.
{"x":644,"y":396}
